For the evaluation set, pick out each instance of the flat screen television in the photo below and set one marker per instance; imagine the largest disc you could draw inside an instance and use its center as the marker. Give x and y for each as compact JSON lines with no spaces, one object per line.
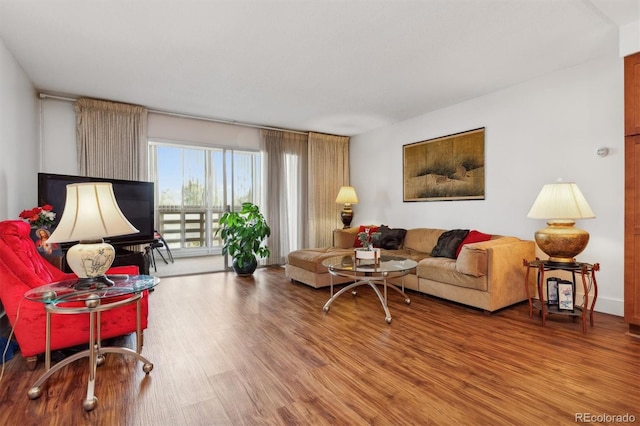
{"x":135,"y":198}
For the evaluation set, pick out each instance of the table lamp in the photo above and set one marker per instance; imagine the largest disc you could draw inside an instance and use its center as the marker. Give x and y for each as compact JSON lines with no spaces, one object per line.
{"x":347,"y":196}
{"x":561,"y":203}
{"x":90,"y":214}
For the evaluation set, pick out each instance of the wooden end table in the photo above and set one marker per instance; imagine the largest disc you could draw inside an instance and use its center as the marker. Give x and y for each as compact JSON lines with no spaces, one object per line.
{"x":587,"y":274}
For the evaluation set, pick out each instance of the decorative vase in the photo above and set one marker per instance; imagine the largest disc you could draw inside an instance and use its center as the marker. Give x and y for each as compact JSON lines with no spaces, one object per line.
{"x":247,"y":269}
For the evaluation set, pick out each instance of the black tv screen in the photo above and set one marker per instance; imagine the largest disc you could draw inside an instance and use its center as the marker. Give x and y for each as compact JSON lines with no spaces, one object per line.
{"x":135,"y":198}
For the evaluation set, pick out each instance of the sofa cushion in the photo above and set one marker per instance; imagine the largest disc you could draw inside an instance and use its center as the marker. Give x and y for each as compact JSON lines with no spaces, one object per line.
{"x":407,"y":254}
{"x":389,"y":238}
{"x":472,"y":261}
{"x":344,"y":238}
{"x":473,"y":237}
{"x":473,"y":258}
{"x":495,"y":240}
{"x":422,"y":240}
{"x":310,"y":259}
{"x":434,"y":263}
{"x":448,"y":243}
{"x":443,"y":270}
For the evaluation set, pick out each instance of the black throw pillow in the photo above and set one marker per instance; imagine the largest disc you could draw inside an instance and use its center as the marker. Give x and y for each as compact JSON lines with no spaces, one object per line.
{"x":448,"y":243}
{"x":389,"y":238}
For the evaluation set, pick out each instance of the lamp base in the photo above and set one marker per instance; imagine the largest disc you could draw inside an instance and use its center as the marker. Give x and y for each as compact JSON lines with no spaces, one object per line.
{"x":89,"y":260}
{"x":346,"y":215}
{"x":93,"y":283}
{"x":561,"y":241}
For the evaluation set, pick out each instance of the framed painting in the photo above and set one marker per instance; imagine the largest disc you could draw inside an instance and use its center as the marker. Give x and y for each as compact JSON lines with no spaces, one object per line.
{"x":445,"y":168}
{"x":565,"y":295}
{"x":552,"y":291}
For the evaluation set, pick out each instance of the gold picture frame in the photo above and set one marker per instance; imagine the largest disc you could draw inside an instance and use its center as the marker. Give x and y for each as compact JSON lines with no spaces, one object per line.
{"x":445,"y":168}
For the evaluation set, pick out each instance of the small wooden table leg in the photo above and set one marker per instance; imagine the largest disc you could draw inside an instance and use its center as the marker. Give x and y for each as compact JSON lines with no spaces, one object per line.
{"x":543,"y":305}
{"x":526,"y":286}
{"x":596,"y":267}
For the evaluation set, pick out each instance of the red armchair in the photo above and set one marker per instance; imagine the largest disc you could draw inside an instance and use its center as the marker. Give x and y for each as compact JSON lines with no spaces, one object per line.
{"x":23,"y":268}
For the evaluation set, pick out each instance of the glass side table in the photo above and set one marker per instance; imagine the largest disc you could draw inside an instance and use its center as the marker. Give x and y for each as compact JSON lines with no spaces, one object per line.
{"x":127,"y":289}
{"x":587,"y":274}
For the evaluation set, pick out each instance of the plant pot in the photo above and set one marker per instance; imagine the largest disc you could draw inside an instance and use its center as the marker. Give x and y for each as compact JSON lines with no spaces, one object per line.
{"x":364,"y":254}
{"x":248,"y":268}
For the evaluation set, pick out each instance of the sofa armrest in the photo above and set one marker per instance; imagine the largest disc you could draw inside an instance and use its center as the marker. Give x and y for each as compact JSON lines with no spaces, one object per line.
{"x":344,"y":238}
{"x":504,"y":265}
{"x":500,"y":258}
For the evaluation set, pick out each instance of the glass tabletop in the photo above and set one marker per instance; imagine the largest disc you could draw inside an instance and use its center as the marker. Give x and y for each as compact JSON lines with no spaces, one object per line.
{"x":385,"y":264}
{"x":64,"y":291}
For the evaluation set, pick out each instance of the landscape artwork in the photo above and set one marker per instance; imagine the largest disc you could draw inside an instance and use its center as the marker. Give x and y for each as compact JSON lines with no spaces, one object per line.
{"x":446,"y":168}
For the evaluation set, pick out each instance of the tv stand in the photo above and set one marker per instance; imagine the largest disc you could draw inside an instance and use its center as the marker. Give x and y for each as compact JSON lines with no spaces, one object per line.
{"x":126,"y":257}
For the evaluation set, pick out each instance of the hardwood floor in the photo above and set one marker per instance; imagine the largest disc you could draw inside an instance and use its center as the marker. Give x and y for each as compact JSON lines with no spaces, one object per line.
{"x":260,"y":350}
{"x":182,"y":266}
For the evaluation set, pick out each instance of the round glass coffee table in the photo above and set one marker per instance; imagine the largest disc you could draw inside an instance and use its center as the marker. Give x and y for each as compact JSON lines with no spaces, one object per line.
{"x":126,"y":289}
{"x":367,"y":272}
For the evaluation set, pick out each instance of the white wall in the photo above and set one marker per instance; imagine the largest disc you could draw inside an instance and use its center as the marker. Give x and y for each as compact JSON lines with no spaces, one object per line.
{"x":19,"y":152}
{"x":58,"y":137}
{"x":547,"y":128}
{"x":629,"y":38}
{"x":19,"y":149}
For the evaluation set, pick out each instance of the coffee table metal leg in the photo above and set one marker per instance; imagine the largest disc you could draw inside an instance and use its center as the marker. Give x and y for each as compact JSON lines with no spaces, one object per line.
{"x":383,"y":300}
{"x":342,"y":290}
{"x":47,"y":351}
{"x":371,"y":280}
{"x":371,"y":284}
{"x":36,"y":390}
{"x":91,"y":401}
{"x":406,"y":298}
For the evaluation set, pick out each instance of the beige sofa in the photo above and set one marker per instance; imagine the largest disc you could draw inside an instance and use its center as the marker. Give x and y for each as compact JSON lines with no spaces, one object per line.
{"x":488,"y":275}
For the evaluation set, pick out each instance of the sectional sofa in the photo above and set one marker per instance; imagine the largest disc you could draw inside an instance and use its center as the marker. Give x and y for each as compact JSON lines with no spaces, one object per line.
{"x":486,"y":273}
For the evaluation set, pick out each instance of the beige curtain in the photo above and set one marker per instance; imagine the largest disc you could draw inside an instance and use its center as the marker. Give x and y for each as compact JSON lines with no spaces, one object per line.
{"x":111,"y":139}
{"x":285,"y":203}
{"x":328,"y":171}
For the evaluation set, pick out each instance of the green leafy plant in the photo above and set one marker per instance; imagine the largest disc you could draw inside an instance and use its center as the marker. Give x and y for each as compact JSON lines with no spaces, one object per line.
{"x":367,"y":238}
{"x":243,"y":234}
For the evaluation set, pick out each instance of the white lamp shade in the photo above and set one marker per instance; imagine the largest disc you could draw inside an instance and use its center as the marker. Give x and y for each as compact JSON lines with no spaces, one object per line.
{"x":562,"y":201}
{"x":347,"y":195}
{"x":91,"y":212}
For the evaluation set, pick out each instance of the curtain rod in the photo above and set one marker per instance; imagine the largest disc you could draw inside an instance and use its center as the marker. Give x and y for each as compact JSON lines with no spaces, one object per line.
{"x":218,"y":120}
{"x":194,"y":117}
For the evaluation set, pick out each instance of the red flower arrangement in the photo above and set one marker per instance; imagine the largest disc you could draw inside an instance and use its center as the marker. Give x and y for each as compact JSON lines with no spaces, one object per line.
{"x":39,"y":217}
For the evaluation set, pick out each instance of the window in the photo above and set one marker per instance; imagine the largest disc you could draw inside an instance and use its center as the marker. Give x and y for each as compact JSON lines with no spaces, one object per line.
{"x":194,"y":186}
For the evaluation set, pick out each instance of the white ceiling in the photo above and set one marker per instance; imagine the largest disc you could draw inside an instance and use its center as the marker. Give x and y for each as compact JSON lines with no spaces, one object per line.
{"x":339,"y":67}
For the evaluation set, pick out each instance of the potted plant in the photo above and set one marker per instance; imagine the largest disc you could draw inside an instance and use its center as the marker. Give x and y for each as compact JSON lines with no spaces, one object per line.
{"x":243,"y":234}
{"x":368,"y":251}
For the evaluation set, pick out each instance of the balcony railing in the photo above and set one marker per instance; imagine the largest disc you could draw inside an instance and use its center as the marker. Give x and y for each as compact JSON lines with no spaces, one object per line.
{"x":186,"y":228}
